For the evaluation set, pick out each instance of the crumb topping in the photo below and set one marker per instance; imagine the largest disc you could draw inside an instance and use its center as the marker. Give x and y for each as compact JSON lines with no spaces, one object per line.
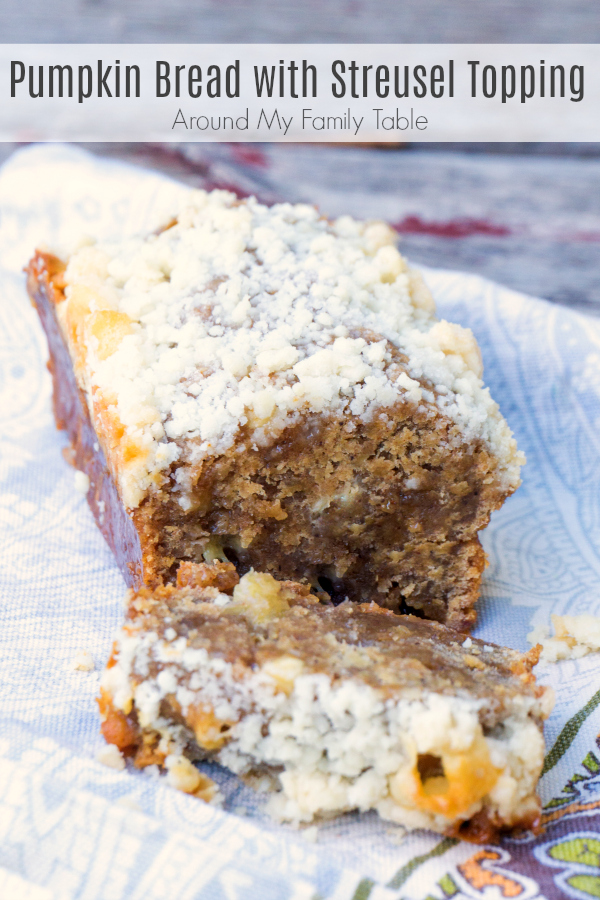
{"x":82,"y":482}
{"x":574,"y":637}
{"x":83,"y":661}
{"x":242,"y":317}
{"x":111,"y":756}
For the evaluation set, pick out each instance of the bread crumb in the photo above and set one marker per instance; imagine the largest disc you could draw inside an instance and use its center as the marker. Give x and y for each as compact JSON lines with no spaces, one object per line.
{"x":472,"y":662}
{"x":310,"y":834}
{"x":538,"y":634}
{"x":225,"y":322}
{"x":83,"y":661}
{"x":82,"y":482}
{"x":129,"y":803}
{"x":574,"y":637}
{"x":183,"y":775}
{"x":397,"y":835}
{"x":111,"y":756}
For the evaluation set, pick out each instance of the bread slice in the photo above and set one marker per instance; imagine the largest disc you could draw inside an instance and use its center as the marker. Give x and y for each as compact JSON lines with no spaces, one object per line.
{"x":264,"y":386}
{"x":336,"y":707}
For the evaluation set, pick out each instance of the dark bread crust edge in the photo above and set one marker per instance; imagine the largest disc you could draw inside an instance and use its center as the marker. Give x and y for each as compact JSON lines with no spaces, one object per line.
{"x":72,"y":415}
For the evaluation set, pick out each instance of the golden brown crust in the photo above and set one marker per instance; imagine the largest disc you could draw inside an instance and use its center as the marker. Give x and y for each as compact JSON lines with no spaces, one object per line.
{"x":486,"y":828}
{"x":220,"y":575}
{"x":45,"y":283}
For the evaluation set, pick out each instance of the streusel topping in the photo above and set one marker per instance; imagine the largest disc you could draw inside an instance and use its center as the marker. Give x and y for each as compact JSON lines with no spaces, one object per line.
{"x":238,"y":314}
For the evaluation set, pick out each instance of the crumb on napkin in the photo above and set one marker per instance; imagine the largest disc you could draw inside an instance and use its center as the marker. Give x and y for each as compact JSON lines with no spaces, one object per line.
{"x":574,"y":637}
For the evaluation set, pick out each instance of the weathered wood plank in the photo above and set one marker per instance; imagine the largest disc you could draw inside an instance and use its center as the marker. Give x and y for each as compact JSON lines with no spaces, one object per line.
{"x":327,"y":21}
{"x":530,"y":222}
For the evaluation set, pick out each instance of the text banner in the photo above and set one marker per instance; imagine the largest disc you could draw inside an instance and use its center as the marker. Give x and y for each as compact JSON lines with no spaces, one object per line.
{"x":300,"y":92}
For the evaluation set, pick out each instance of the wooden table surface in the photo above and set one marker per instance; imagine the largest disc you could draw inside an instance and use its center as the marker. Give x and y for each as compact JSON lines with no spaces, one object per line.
{"x":525,"y":215}
{"x":326,"y":21}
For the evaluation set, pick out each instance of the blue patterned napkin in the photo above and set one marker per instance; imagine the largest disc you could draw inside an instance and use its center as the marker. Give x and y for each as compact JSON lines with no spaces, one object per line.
{"x":72,"y":828}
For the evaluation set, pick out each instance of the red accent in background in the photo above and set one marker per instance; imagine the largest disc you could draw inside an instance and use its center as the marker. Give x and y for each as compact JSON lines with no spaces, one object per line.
{"x":455,"y":228}
{"x":585,"y":237}
{"x":249,"y":155}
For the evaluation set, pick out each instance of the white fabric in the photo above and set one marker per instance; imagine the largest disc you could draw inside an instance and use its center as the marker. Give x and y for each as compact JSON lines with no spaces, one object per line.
{"x":72,"y":828}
